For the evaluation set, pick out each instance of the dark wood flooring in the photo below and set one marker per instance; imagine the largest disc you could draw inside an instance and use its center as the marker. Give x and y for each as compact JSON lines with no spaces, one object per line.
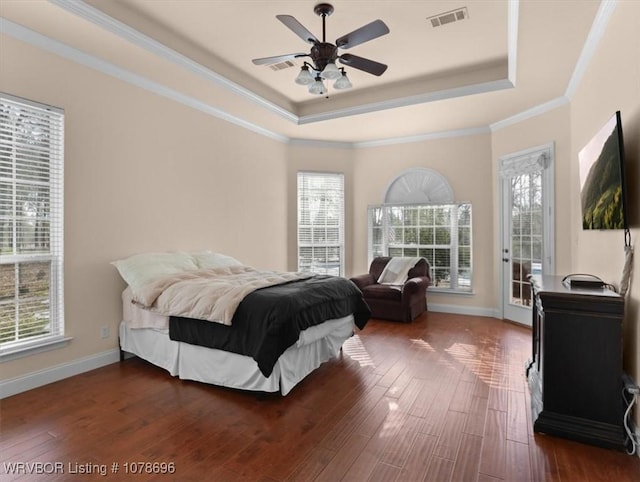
{"x":443,"y":398}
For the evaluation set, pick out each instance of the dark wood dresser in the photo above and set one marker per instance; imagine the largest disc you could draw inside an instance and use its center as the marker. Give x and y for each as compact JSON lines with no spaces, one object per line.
{"x":575,"y":374}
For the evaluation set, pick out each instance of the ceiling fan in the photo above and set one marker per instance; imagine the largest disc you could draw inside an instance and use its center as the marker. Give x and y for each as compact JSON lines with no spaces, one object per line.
{"x":324,"y":54}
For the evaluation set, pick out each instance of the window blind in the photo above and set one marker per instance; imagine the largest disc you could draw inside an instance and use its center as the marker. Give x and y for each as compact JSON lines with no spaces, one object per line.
{"x":31,"y":224}
{"x":321,"y":223}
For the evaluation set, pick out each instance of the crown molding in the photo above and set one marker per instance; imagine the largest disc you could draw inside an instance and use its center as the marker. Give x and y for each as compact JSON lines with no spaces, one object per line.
{"x":97,"y":17}
{"x":598,"y":28}
{"x":472,"y":131}
{"x":70,"y":53}
{"x":513,"y":13}
{"x":320,"y":143}
{"x":529,"y":113}
{"x":50,"y":45}
{"x":407,"y":101}
{"x":79,"y":7}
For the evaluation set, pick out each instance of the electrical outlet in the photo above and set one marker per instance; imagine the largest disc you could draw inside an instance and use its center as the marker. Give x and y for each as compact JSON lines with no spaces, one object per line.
{"x":104,"y":332}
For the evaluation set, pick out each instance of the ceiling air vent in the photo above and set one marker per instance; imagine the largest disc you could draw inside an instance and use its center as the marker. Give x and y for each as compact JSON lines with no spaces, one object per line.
{"x":282,"y":65}
{"x":449,"y":17}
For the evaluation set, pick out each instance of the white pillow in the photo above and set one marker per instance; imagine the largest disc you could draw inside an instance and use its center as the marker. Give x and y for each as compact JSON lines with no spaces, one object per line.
{"x":140,"y":269}
{"x":208,"y":260}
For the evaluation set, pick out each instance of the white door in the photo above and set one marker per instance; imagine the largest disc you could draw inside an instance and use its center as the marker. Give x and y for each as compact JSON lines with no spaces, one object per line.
{"x":527,"y":227}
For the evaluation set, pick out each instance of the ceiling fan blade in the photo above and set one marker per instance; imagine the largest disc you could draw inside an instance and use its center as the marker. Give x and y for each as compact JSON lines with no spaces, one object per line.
{"x":372,"y":30}
{"x":360,"y":63}
{"x":277,"y":58}
{"x":297,"y":28}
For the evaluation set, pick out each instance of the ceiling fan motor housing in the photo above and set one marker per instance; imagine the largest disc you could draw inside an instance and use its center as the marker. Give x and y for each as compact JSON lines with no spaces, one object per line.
{"x":322,"y":53}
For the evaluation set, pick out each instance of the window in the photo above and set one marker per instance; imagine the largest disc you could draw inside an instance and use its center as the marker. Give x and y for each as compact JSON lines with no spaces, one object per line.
{"x":31,"y":175}
{"x":321,"y":223}
{"x":441,"y":233}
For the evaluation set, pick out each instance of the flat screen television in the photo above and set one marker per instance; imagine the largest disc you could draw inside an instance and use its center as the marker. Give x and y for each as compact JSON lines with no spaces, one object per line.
{"x":602,"y":188}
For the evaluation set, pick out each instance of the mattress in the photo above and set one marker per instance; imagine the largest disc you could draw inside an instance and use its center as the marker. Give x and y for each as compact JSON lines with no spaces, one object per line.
{"x":316,"y":345}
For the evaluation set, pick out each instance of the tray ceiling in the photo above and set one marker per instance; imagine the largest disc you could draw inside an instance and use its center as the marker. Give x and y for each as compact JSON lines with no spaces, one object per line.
{"x":505,"y":58}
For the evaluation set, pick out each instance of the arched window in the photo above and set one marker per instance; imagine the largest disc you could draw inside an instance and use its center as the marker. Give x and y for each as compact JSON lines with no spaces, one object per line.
{"x":420,"y":218}
{"x":419,"y":185}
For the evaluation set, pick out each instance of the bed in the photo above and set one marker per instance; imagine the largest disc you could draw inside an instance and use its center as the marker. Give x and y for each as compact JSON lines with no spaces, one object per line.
{"x":279,"y":328}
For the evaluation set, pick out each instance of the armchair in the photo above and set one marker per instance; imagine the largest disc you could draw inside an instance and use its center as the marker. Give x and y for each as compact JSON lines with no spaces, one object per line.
{"x":395,"y":302}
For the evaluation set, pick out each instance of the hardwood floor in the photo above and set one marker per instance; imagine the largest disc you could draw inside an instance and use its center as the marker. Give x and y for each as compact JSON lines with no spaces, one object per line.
{"x":443,"y":398}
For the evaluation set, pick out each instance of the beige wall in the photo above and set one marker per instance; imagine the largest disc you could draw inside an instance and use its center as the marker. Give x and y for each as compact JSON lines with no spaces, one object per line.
{"x":612,"y":82}
{"x":466,"y":164}
{"x":143,"y":173}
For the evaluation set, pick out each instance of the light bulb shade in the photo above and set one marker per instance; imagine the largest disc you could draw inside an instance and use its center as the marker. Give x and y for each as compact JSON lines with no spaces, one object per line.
{"x":317,"y":87}
{"x":304,"y":77}
{"x":331,"y":72}
{"x":343,"y":82}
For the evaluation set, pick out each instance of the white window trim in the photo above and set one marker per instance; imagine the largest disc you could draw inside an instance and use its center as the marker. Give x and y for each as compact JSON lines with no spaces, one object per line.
{"x":539,"y":158}
{"x":453,"y":243}
{"x":341,"y":224}
{"x":542,"y":159}
{"x":40,"y":343}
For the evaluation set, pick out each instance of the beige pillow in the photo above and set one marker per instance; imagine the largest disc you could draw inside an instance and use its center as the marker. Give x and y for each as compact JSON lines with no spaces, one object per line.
{"x":140,"y":269}
{"x":208,"y":260}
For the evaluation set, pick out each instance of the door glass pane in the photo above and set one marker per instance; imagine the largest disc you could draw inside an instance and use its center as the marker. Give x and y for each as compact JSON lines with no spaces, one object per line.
{"x":526,"y":234}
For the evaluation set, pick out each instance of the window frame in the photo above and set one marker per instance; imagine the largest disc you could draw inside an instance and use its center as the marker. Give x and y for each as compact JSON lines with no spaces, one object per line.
{"x":302,"y":243}
{"x":386,"y":244}
{"x":50,"y":161}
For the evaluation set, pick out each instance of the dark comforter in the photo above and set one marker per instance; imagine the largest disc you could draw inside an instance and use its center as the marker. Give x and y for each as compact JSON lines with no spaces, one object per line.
{"x":269,"y":320}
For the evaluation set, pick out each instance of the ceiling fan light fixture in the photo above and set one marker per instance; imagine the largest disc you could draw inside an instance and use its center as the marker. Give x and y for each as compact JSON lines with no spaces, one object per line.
{"x":323,"y":54}
{"x":343,"y":82}
{"x":318,"y":87}
{"x":304,"y":77}
{"x":330,"y":71}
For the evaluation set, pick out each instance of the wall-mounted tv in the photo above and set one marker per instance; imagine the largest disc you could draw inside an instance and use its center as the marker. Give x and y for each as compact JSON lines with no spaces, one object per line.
{"x":602,"y":189}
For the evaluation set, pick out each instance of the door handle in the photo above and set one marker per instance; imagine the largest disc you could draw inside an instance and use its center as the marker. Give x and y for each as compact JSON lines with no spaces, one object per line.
{"x":506,"y":260}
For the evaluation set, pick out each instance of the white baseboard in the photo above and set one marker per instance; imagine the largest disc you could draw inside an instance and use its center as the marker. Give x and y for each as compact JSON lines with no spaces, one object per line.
{"x":36,"y":379}
{"x":463,"y":310}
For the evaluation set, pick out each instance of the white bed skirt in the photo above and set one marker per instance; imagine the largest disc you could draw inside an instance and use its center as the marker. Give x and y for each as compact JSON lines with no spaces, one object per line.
{"x":191,"y":362}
